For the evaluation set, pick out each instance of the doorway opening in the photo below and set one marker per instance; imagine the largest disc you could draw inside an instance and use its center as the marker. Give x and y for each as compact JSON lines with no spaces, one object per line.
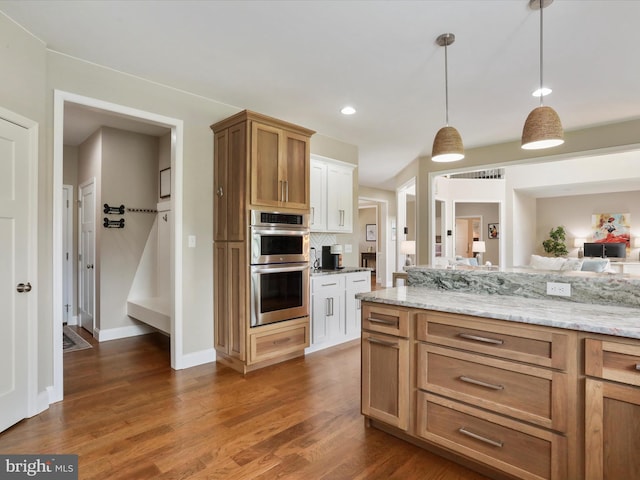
{"x":125,"y":118}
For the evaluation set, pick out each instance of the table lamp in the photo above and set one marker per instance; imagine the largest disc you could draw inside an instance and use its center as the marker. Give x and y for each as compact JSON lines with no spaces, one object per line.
{"x":478,"y":247}
{"x":408,"y":248}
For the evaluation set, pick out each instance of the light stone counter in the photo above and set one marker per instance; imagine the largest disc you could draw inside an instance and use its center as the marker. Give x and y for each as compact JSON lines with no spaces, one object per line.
{"x":315,"y":273}
{"x":605,"y":319}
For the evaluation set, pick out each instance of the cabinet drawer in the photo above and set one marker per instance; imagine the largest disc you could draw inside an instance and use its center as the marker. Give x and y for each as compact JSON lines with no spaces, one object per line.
{"x":389,"y":320}
{"x":324,"y":283}
{"x":529,"y":393}
{"x":536,"y":345}
{"x":271,"y":343}
{"x":615,"y":361}
{"x":521,"y":450}
{"x":359,"y":282}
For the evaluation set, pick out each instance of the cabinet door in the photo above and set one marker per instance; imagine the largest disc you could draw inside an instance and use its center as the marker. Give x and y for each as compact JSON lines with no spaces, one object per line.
{"x":612,"y":430}
{"x":230,"y":276}
{"x":236,"y":191}
{"x":267,"y":186}
{"x":385,"y":379}
{"x":221,"y":193}
{"x":339,"y":198}
{"x":327,"y":318}
{"x":295,"y":171}
{"x":356,"y":283}
{"x":318,"y":192}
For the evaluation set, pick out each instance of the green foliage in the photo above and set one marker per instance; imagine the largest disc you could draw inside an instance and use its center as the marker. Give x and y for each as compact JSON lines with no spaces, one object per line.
{"x":555,"y":243}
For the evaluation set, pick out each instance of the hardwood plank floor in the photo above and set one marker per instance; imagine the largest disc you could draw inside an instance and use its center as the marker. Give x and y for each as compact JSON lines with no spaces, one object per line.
{"x":129,"y":416}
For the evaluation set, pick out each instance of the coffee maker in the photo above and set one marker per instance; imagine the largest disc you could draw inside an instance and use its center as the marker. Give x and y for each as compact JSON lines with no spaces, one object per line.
{"x":332,"y":257}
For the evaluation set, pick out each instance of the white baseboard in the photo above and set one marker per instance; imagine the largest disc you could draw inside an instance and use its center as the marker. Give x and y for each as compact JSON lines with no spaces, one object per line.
{"x":196,"y":358}
{"x":73,"y":320}
{"x":121,"y":332}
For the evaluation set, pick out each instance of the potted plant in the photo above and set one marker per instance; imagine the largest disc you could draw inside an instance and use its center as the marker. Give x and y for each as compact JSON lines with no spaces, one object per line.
{"x":555,"y":243}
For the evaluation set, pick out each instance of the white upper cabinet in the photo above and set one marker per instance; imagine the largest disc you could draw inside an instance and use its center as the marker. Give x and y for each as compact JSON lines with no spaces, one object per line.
{"x":331,"y":196}
{"x":318,"y":202}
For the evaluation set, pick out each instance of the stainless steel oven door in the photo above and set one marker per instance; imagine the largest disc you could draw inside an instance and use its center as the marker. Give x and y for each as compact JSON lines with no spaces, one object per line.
{"x":279,"y":292}
{"x":278,"y":245}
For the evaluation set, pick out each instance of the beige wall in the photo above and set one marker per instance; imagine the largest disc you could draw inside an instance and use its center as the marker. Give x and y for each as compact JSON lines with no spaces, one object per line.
{"x":490,"y":213}
{"x":366,"y":216}
{"x":70,"y":177}
{"x":574,"y":213}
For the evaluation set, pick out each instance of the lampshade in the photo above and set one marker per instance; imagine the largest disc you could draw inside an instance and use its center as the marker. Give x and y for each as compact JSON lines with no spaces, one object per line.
{"x":636,"y":242}
{"x":542,"y":129}
{"x":579,"y":242}
{"x":408,"y":247}
{"x":447,"y":146}
{"x":478,"y":247}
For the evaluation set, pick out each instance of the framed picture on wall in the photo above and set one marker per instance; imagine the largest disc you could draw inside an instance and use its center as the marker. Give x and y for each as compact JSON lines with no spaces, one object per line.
{"x":372,"y":232}
{"x":165,"y":183}
{"x":493,"y":230}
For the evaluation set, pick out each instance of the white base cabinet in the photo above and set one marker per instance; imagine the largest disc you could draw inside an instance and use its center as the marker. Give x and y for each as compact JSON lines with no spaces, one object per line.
{"x":335,"y":312}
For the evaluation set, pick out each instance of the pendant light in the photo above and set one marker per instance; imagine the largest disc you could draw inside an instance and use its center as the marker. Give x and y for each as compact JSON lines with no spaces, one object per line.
{"x":542,"y":129}
{"x":447,"y":146}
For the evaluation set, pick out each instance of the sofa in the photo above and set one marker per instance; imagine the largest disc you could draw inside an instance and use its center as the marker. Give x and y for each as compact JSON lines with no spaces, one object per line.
{"x":597,"y":265}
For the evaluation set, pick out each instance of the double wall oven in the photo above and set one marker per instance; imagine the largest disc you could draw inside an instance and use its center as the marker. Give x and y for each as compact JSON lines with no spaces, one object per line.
{"x":279,"y":266}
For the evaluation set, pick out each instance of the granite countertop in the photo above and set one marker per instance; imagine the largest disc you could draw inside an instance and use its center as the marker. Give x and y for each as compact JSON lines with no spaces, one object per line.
{"x":342,"y":270}
{"x":605,"y":319}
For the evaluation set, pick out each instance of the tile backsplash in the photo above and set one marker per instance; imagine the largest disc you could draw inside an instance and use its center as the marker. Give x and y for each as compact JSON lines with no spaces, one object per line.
{"x":317,"y":240}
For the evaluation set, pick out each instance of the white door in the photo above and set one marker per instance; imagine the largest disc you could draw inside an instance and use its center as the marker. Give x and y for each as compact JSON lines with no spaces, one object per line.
{"x":86,"y":271}
{"x":14,"y":267}
{"x":67,"y":254}
{"x":463,"y":245}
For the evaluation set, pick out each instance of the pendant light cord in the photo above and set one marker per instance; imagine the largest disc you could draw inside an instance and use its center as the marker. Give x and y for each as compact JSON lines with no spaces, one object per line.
{"x":446,"y":83}
{"x":541,"y":62}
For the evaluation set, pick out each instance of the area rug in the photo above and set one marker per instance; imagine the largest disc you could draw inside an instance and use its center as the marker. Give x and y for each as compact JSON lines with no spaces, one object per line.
{"x":72,"y":342}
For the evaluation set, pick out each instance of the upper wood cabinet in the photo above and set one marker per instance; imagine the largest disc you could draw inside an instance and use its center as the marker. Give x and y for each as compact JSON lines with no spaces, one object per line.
{"x":229,"y":199}
{"x":262,"y":162}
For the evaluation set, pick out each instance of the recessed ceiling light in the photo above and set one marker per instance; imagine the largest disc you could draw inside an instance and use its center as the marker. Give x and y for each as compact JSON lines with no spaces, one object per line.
{"x":348,"y":110}
{"x":542,"y":92}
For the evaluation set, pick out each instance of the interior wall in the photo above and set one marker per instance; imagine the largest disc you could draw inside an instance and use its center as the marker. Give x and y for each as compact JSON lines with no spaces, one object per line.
{"x":574,"y":213}
{"x":367,"y":215}
{"x":130,"y":178}
{"x":490,"y":213}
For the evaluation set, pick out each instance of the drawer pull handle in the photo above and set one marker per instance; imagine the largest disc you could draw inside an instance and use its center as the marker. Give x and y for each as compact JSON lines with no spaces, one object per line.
{"x":480,"y":383}
{"x":382,"y":342}
{"x":495,"y":443}
{"x":328,"y":284}
{"x":381,"y":320}
{"x":358,"y":281}
{"x":281,"y":341}
{"x":478,"y":338}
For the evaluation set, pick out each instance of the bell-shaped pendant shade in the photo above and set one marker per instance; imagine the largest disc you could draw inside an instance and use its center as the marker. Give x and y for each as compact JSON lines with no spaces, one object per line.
{"x":542,"y":129}
{"x":447,"y":146}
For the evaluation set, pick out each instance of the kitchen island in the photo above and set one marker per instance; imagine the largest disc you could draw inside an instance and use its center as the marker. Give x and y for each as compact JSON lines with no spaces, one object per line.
{"x":513,"y":386}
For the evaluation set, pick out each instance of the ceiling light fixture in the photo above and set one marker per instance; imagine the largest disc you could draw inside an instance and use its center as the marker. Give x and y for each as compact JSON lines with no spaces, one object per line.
{"x":541,"y":92}
{"x":542,"y":129}
{"x":447,"y":146}
{"x":348,"y":110}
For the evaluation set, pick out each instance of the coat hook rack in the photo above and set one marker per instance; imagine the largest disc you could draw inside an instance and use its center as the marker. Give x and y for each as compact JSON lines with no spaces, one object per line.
{"x":142,"y":210}
{"x":113,"y":210}
{"x":113,"y":223}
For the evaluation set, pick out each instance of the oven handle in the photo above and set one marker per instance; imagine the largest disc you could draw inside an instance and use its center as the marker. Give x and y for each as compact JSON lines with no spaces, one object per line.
{"x":279,"y":231}
{"x":279,"y":269}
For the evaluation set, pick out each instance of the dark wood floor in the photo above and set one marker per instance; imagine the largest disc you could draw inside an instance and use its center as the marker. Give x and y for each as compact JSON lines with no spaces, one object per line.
{"x":129,"y":416}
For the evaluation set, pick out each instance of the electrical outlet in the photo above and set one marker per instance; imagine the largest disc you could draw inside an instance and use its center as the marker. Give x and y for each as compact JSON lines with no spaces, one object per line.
{"x":348,"y":248}
{"x":559,"y":289}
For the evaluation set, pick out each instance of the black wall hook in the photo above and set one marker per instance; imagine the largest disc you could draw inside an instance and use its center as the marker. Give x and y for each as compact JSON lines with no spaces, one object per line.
{"x":113,"y":210}
{"x":113,"y":223}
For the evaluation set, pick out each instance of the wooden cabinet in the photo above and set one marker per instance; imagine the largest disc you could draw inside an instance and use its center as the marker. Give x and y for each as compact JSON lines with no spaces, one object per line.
{"x":331,"y":196}
{"x":259,"y":163}
{"x":612,"y":410}
{"x":229,"y":200}
{"x":279,"y":167}
{"x":385,"y":365}
{"x":230,"y":272}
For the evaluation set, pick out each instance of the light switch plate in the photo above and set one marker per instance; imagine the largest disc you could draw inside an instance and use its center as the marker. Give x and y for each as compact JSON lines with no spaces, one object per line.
{"x":348,"y":248}
{"x":191,"y":241}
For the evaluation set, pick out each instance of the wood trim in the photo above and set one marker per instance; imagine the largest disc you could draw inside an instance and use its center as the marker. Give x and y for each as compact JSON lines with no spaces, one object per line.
{"x":246,"y":115}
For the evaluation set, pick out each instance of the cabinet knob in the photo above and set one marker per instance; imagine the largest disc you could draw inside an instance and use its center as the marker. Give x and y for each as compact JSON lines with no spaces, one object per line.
{"x":23,"y":288}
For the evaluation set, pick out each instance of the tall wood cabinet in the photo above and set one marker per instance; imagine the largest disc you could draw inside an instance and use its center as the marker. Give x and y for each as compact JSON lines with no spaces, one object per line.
{"x":259,"y":163}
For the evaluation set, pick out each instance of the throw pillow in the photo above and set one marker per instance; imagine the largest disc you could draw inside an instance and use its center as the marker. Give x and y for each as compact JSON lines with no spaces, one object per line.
{"x":547,"y":263}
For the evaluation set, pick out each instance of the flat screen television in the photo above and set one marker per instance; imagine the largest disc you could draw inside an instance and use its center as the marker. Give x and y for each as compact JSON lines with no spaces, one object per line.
{"x":605,"y":250}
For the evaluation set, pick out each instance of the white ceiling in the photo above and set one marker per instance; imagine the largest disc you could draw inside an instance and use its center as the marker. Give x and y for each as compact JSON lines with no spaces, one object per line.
{"x":303,"y":60}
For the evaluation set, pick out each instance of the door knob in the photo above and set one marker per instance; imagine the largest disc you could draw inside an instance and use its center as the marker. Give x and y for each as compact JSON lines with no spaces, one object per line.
{"x":23,"y":288}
